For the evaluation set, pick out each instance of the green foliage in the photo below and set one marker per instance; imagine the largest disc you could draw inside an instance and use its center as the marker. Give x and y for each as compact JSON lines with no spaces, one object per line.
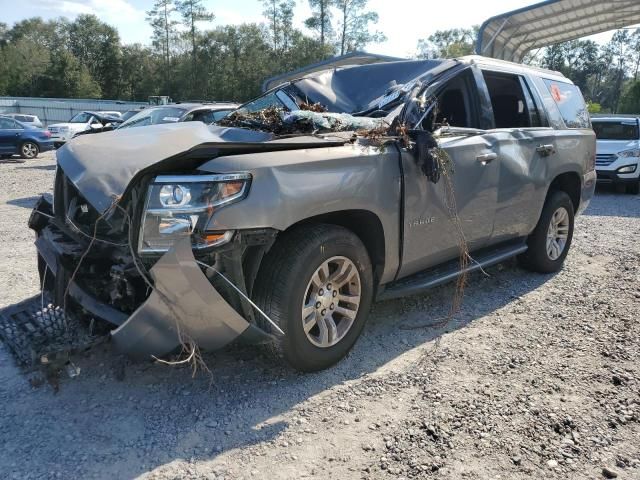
{"x":354,"y":23}
{"x":630,"y":101}
{"x":603,"y":72}
{"x":96,"y":46}
{"x":320,"y":20}
{"x":452,"y":43}
{"x":593,"y":107}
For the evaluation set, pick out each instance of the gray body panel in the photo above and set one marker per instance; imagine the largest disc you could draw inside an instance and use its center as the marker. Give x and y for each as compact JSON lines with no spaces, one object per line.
{"x":292,"y":186}
{"x":297,"y":179}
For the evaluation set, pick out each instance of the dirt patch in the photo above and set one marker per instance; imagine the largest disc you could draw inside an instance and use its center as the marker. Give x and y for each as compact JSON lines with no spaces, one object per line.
{"x":536,"y":377}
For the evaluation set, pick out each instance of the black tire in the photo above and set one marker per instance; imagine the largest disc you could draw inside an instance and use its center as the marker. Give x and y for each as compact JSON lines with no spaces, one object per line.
{"x":281,"y":288}
{"x":29,"y":150}
{"x":536,"y":257}
{"x":633,"y":188}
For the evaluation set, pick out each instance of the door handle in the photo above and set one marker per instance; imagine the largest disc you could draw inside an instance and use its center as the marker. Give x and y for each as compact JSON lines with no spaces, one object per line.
{"x":545,"y":150}
{"x":487,"y":158}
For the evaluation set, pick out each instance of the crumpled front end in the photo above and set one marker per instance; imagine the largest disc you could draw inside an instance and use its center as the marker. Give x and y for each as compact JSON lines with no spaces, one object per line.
{"x":154,"y":306}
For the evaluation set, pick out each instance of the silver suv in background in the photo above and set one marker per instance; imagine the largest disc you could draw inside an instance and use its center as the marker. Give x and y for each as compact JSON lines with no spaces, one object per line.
{"x":25,"y":119}
{"x":618,"y":152}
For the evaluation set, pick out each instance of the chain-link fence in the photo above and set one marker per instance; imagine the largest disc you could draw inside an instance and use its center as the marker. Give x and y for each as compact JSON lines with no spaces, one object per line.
{"x":55,"y":110}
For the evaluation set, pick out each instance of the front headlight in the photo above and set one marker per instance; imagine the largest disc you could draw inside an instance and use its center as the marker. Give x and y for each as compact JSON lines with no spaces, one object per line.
{"x":180,"y":206}
{"x":627,"y":169}
{"x":634,"y":152}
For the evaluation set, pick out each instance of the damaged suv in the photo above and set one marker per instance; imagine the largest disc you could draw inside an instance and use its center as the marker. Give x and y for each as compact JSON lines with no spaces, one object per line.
{"x":284,"y":222}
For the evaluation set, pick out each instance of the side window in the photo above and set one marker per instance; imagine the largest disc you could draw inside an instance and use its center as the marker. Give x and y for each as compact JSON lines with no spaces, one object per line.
{"x":204,"y":116}
{"x":570,"y":103}
{"x":534,"y":113}
{"x":6,"y":124}
{"x":512,"y":102}
{"x":454,"y":106}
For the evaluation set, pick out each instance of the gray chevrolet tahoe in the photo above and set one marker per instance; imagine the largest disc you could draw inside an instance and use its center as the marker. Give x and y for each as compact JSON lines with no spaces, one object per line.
{"x":284,"y":224}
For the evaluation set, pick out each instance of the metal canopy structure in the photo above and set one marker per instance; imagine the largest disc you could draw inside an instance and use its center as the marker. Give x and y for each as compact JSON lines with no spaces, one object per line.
{"x":510,"y":36}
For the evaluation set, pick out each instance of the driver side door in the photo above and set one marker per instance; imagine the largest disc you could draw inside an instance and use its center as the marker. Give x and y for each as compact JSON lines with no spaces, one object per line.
{"x":464,"y":200}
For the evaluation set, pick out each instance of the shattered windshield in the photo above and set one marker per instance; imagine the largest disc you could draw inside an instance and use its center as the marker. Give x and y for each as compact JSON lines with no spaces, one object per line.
{"x":154,"y":116}
{"x":364,"y":97}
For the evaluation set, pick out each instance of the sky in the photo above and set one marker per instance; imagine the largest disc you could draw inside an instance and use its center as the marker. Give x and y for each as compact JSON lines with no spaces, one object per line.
{"x":404,"y":22}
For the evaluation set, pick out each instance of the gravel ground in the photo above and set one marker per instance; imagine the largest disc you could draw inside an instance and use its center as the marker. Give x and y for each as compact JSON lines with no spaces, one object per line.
{"x":537,"y":377}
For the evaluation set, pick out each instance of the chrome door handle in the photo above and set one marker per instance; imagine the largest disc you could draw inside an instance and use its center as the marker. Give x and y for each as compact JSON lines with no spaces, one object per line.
{"x":487,"y":158}
{"x":545,"y":150}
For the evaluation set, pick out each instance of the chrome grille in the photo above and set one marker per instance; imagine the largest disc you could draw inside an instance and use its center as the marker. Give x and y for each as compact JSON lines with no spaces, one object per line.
{"x":54,"y":129}
{"x":605,"y":160}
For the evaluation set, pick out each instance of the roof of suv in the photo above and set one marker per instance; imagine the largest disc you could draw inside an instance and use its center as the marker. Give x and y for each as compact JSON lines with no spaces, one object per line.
{"x":513,"y":67}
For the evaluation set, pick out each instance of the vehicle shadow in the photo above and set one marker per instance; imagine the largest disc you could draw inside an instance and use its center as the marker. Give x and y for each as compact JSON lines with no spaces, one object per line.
{"x":12,"y":160}
{"x":40,"y":167}
{"x":160,"y":414}
{"x":26,"y":202}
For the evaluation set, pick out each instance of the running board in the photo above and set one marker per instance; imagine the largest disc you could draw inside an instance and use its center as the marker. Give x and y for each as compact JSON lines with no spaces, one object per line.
{"x":425,"y":280}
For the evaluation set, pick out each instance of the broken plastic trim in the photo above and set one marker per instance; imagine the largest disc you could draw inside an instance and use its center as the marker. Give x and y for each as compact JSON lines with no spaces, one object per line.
{"x":183,"y":305}
{"x":273,"y":324}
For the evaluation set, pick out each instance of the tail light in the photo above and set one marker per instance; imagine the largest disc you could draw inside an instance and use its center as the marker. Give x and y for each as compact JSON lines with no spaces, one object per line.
{"x":47,"y":134}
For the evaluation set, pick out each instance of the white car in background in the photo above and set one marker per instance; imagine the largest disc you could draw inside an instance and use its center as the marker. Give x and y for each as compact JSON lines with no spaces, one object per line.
{"x":618,"y":152}
{"x":63,"y":132}
{"x":25,"y":119}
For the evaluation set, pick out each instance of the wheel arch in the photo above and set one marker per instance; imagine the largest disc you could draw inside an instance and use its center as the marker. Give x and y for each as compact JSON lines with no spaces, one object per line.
{"x":568,"y":182}
{"x":365,"y":225}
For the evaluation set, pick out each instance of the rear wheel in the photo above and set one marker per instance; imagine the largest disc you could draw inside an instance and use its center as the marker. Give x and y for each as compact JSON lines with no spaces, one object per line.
{"x":550,"y":241}
{"x":29,"y":150}
{"x":316,"y":284}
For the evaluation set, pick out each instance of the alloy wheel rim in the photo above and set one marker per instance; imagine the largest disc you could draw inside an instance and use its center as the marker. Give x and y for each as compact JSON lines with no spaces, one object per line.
{"x":331,"y":302}
{"x":558,"y":233}
{"x":29,"y":150}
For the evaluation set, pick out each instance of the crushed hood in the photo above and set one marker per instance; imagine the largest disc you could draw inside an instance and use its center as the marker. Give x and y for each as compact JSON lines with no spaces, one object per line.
{"x":102,"y":166}
{"x":356,"y":88}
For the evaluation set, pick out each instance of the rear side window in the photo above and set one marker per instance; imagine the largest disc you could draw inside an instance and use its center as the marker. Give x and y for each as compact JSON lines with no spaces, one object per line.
{"x":570,"y":103}
{"x":616,"y":130}
{"x":511,"y":101}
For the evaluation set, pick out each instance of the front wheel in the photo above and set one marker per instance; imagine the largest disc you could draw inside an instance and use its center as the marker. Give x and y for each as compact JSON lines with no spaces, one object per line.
{"x":29,"y":150}
{"x":317,"y":285}
{"x":550,"y":241}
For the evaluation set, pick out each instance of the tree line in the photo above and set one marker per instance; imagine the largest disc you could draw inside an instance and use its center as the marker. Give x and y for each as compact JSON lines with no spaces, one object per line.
{"x":85,"y":58}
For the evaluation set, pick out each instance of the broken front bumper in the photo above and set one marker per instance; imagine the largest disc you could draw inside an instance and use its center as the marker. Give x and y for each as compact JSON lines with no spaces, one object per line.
{"x":183,"y":306}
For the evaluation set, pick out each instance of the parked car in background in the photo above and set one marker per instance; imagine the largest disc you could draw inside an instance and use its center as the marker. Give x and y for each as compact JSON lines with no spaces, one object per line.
{"x":17,"y":138}
{"x":618,"y":152}
{"x":130,"y":113}
{"x":180,"y":112}
{"x":63,"y":132}
{"x":103,"y":123}
{"x":25,"y":119}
